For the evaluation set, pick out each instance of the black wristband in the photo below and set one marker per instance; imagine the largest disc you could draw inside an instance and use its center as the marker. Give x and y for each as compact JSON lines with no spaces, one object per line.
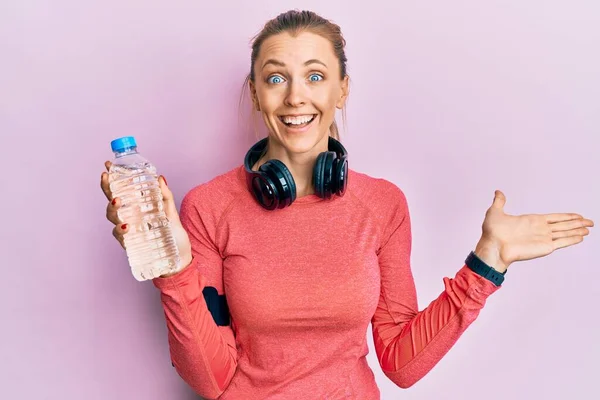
{"x":479,"y":267}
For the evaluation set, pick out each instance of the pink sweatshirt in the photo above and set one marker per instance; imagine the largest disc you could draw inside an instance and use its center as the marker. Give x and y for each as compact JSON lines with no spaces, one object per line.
{"x":301,"y":286}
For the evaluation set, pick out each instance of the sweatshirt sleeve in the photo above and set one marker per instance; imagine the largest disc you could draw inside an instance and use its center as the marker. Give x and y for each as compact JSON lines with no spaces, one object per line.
{"x":409,"y":342}
{"x":202,"y":345}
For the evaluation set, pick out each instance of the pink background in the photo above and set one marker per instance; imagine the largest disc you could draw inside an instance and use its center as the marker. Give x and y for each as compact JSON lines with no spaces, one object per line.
{"x":449,"y":100}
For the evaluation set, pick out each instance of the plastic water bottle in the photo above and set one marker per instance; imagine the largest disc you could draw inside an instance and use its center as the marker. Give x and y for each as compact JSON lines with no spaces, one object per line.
{"x":149,"y":243}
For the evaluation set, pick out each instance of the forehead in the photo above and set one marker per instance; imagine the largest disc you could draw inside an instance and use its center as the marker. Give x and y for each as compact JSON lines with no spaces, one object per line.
{"x":296,"y":49}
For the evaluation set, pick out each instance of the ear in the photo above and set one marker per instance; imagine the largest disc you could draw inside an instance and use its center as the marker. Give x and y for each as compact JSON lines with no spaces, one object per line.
{"x":252,"y":87}
{"x":344,"y":95}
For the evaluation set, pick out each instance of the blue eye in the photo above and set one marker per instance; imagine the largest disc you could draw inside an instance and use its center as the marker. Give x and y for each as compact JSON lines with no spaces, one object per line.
{"x":317,"y":76}
{"x":275,"y":79}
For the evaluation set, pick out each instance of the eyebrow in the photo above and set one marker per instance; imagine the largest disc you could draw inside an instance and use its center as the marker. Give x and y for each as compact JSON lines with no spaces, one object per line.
{"x":282,"y":64}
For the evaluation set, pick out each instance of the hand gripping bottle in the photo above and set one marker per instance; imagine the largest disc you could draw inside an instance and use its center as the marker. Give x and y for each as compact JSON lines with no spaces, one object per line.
{"x":149,"y":243}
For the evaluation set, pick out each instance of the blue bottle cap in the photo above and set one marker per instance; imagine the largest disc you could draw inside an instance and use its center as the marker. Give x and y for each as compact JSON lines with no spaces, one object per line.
{"x":123,"y":143}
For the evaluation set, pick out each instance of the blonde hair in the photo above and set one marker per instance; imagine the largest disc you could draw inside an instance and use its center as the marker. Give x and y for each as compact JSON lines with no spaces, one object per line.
{"x":294,"y":22}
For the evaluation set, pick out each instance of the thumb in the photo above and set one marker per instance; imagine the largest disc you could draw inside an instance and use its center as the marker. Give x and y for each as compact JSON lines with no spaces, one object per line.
{"x":168,"y":199}
{"x":499,"y":200}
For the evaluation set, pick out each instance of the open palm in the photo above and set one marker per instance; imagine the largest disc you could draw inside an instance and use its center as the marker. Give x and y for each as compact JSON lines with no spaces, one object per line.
{"x":529,"y":236}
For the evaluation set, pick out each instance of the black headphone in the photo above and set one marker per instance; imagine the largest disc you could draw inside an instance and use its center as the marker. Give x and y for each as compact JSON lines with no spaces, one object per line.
{"x":273,"y":185}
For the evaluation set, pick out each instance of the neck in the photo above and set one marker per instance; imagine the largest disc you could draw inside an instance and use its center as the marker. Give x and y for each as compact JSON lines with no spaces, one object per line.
{"x":300,"y":165}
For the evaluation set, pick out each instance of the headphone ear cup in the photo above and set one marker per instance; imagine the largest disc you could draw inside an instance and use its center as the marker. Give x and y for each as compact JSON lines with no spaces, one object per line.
{"x":328,"y":175}
{"x":282,"y":180}
{"x":264,"y":189}
{"x":318,"y":174}
{"x":322,"y":174}
{"x":335,"y":167}
{"x":340,"y":177}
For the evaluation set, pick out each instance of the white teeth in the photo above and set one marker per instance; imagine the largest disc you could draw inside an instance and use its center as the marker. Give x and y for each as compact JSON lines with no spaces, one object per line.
{"x":297,"y":120}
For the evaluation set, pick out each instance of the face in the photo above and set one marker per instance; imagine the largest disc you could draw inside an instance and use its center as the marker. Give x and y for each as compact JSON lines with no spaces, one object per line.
{"x":297,"y":88}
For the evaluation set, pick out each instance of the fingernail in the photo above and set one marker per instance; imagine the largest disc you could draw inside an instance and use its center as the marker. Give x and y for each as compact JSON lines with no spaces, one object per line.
{"x":165,"y":179}
{"x":114,"y":202}
{"x":124,"y":226}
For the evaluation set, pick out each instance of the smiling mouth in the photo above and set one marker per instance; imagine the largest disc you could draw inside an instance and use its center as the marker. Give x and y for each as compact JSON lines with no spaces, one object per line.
{"x":300,"y":122}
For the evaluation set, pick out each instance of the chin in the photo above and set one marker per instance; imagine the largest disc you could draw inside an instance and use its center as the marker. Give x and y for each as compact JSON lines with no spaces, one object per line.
{"x":302,"y":143}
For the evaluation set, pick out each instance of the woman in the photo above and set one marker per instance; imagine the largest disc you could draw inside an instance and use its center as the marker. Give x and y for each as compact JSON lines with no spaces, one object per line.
{"x":308,"y":252}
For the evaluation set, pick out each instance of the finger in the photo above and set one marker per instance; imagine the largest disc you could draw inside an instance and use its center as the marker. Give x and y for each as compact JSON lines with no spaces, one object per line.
{"x":107,"y":164}
{"x":168,"y":199}
{"x":572,"y":232}
{"x":105,"y":185}
{"x":111,"y":211}
{"x":499,"y":199}
{"x":119,"y":231}
{"x":560,"y":217}
{"x":567,"y":241}
{"x":572,"y":224}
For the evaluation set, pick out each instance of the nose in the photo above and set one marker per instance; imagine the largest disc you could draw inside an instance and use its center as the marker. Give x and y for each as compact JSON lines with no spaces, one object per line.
{"x":296,"y":95}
